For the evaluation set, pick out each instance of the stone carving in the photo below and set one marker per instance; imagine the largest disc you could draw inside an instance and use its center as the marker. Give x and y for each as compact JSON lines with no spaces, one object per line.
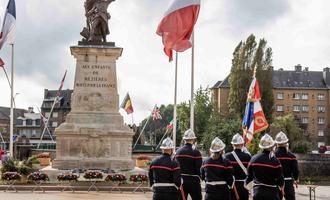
{"x":97,"y":18}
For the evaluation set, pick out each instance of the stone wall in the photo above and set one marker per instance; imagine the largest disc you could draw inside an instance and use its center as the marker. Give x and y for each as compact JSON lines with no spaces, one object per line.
{"x":314,"y":166}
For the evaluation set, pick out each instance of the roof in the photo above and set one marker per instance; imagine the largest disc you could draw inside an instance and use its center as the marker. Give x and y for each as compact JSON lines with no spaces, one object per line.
{"x":302,"y":79}
{"x":5,"y":113}
{"x":65,"y":97}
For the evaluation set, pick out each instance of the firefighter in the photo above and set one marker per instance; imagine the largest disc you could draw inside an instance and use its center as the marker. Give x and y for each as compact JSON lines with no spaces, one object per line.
{"x":265,"y":171}
{"x":217,"y":172}
{"x":239,"y":160}
{"x":190,"y":160}
{"x":164,"y":174}
{"x":289,"y":164}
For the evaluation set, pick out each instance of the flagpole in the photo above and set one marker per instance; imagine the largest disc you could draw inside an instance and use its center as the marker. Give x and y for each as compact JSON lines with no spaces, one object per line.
{"x":132,"y":120}
{"x":11,"y":143}
{"x":175,"y":98}
{"x":192,"y":111}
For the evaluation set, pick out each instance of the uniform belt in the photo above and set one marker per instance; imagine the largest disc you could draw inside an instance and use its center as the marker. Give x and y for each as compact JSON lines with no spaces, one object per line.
{"x":216,"y":183}
{"x":190,"y":175}
{"x":288,"y":179}
{"x":262,"y":184}
{"x":164,"y":185}
{"x":240,"y":180}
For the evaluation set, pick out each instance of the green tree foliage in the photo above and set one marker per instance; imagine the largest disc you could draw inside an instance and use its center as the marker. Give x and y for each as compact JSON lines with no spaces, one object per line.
{"x":247,"y":56}
{"x":290,"y":126}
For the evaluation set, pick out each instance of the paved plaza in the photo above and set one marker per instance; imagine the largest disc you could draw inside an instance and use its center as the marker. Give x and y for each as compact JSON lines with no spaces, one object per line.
{"x":322,"y":193}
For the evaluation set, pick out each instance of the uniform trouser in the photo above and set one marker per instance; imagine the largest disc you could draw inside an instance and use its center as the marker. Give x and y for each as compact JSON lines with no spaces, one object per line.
{"x":289,"y":192}
{"x":216,"y":196}
{"x":265,"y":193}
{"x":242,"y":192}
{"x":165,"y":196}
{"x":192,"y":187}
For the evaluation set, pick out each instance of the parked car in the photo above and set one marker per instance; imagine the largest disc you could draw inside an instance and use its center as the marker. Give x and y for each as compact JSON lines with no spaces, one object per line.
{"x":324,"y":149}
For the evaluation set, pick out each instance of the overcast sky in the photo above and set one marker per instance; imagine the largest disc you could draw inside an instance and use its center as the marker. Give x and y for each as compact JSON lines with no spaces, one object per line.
{"x":297,"y":30}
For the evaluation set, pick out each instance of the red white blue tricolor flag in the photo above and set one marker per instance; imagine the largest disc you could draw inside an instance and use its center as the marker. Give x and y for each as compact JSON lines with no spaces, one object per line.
{"x":9,"y":24}
{"x":254,"y":119}
{"x":177,"y":25}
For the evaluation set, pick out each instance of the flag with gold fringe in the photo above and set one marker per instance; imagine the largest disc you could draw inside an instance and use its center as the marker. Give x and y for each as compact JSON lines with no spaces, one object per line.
{"x":127,"y":104}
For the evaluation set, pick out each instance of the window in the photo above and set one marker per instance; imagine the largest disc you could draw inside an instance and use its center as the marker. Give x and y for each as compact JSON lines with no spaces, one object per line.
{"x":280,"y":96}
{"x":54,"y":124}
{"x":304,"y":108}
{"x":29,"y":122}
{"x":321,"y":109}
{"x":19,"y":122}
{"x":296,"y":96}
{"x":304,"y":120}
{"x":280,"y":108}
{"x":37,"y":122}
{"x":304,"y":96}
{"x":55,"y":115}
{"x":320,"y":133}
{"x":320,"y":97}
{"x":296,"y":108}
{"x":47,"y":114}
{"x":320,"y":144}
{"x":321,"y":120}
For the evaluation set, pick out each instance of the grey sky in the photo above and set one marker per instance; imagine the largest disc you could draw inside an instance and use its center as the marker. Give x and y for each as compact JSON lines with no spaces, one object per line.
{"x":297,"y":30}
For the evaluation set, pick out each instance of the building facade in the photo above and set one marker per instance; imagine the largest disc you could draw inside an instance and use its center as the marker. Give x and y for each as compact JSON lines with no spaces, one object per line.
{"x":303,"y":93}
{"x":5,"y":119}
{"x":61,"y":108}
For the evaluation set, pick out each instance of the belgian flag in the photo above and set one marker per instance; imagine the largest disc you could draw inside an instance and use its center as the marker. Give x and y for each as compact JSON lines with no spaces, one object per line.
{"x":127,"y":105}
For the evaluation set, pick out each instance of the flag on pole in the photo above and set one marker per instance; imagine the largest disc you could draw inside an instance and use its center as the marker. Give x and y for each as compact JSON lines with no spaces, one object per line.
{"x":2,"y":64}
{"x":254,"y":119}
{"x":61,"y":86}
{"x":9,"y":24}
{"x":156,"y":114}
{"x":127,"y":104}
{"x":177,"y":25}
{"x":170,"y":125}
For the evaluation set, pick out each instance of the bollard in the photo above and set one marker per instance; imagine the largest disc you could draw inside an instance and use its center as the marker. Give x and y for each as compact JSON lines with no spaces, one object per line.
{"x":312,"y":189}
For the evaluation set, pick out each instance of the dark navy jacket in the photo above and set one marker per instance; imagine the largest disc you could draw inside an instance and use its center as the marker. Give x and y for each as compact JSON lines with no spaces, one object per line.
{"x":239,"y":174}
{"x":265,"y":169}
{"x":190,"y":161}
{"x":289,"y":163}
{"x":217,"y":170}
{"x":164,"y":170}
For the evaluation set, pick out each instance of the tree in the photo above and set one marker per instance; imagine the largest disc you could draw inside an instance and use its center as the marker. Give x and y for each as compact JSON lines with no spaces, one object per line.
{"x":247,"y":56}
{"x":290,"y":126}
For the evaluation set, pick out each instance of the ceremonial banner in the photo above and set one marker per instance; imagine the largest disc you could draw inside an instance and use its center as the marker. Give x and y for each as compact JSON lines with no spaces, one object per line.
{"x":254,"y":119}
{"x":127,"y":104}
{"x":156,"y":114}
{"x":9,"y":24}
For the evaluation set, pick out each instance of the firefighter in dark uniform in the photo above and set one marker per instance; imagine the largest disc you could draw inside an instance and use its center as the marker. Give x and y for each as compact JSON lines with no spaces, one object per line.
{"x":217,"y":172}
{"x":239,"y":160}
{"x":265,"y":171}
{"x":164,"y":174}
{"x":289,"y":164}
{"x":190,"y":160}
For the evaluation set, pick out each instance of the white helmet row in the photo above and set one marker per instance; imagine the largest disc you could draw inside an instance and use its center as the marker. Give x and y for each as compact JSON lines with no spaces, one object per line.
{"x":167,"y":144}
{"x":281,"y":138}
{"x":189,"y":135}
{"x":217,"y":145}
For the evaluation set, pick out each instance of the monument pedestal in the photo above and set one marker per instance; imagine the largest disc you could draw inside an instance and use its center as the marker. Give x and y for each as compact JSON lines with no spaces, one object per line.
{"x":94,"y":134}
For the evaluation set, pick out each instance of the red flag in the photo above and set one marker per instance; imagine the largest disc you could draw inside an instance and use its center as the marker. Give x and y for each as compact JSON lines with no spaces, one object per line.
{"x":177,"y":25}
{"x":2,"y":64}
{"x":61,"y":86}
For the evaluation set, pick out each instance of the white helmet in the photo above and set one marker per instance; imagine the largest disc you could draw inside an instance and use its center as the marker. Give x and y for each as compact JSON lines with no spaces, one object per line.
{"x":189,"y":135}
{"x":217,"y":145}
{"x":237,"y":139}
{"x":266,"y":142}
{"x":167,"y":144}
{"x":281,"y":138}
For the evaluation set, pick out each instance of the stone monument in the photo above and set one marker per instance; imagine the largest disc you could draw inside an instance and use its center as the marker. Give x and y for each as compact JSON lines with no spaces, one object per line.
{"x":94,"y":134}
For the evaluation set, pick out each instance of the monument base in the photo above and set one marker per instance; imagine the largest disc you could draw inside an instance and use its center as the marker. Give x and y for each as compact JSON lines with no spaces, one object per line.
{"x":94,"y":134}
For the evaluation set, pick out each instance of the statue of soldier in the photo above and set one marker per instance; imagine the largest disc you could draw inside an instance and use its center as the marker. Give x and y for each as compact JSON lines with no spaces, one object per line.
{"x":97,"y":20}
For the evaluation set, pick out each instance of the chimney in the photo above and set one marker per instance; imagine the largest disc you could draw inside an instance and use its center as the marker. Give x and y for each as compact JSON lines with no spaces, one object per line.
{"x":306,"y":69}
{"x":30,"y":109}
{"x":298,"y":68}
{"x":327,"y":69}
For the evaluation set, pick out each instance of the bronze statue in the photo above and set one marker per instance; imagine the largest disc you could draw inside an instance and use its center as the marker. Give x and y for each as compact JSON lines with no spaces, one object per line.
{"x":97,"y":18}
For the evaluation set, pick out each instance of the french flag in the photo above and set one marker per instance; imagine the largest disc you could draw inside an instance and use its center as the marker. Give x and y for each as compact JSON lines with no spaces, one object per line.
{"x":254,"y":119}
{"x":177,"y":25}
{"x":9,"y":24}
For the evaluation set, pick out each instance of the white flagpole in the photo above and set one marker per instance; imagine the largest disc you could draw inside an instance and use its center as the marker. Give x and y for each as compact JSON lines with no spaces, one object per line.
{"x":192,"y":82}
{"x":175,"y":98}
{"x":11,"y":143}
